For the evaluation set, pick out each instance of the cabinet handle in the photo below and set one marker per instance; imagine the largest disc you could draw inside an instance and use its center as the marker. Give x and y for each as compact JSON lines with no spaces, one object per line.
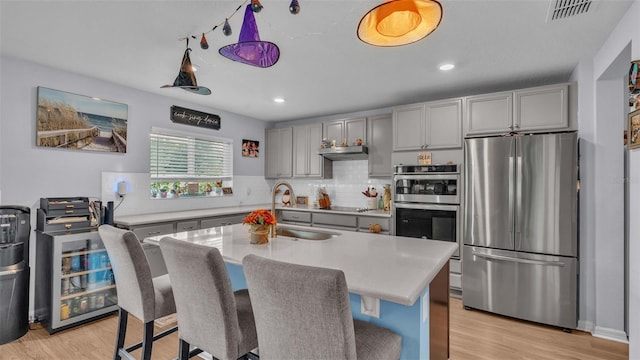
{"x":68,"y":212}
{"x":69,"y":206}
{"x":153,"y":232}
{"x":67,"y":226}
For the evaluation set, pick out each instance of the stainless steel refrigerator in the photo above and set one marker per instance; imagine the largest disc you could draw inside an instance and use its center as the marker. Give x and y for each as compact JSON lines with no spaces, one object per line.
{"x":520,"y":234}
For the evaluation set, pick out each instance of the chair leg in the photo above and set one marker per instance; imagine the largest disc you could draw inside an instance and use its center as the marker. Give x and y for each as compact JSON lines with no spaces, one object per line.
{"x":122,"y":330}
{"x":183,"y":350}
{"x":147,"y":340}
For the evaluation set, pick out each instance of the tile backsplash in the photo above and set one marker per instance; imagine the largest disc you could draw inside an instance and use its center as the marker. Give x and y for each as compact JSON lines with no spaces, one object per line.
{"x":350,"y":179}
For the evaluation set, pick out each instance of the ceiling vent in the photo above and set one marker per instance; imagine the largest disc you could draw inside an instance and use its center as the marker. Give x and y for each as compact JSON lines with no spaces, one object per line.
{"x":562,"y":9}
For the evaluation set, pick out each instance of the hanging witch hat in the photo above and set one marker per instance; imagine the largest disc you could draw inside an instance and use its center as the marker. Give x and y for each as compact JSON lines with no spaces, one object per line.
{"x":249,"y":49}
{"x":186,"y":78}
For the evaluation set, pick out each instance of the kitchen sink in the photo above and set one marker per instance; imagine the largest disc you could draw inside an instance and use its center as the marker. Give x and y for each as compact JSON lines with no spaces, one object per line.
{"x":305,"y":234}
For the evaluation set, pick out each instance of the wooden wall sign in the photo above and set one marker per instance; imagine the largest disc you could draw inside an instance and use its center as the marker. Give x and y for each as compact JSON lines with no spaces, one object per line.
{"x":194,"y":118}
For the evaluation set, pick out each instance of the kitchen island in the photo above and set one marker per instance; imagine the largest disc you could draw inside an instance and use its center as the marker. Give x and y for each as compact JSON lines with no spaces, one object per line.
{"x":396,"y":282}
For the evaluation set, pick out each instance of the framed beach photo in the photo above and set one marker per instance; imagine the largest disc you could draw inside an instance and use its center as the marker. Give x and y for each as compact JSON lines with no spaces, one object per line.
{"x":77,"y":122}
{"x":633,"y":140}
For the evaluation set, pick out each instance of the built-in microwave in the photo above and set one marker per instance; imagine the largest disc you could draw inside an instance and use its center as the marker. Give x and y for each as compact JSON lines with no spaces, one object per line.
{"x":426,"y":202}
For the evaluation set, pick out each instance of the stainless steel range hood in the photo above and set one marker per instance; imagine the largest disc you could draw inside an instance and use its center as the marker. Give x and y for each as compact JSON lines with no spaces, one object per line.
{"x":345,"y":153}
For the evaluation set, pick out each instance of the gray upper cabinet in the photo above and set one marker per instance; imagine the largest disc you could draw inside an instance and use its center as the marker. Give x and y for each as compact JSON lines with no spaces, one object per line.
{"x":278,"y":153}
{"x":431,"y":125}
{"x":541,"y":108}
{"x":306,"y":161}
{"x":489,"y":113}
{"x":380,"y":129}
{"x":408,"y":127}
{"x":528,"y":110}
{"x":349,"y":130}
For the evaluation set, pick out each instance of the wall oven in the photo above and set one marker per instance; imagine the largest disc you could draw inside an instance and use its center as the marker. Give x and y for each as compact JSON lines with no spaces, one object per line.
{"x":426,"y":202}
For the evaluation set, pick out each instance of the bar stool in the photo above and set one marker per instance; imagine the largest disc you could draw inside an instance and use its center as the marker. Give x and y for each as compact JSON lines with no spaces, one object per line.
{"x":303,"y":312}
{"x":139,"y":294}
{"x":211,"y":316}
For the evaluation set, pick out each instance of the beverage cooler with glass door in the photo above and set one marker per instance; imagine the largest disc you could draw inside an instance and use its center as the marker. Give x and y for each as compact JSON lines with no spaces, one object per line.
{"x":74,"y":280}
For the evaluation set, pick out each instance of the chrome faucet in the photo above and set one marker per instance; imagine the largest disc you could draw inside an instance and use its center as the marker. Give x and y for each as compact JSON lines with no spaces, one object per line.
{"x":273,"y":203}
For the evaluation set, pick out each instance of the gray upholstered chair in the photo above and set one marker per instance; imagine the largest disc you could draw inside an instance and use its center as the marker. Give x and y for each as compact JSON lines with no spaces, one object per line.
{"x":139,"y":294}
{"x":211,"y":316}
{"x":303,"y":312}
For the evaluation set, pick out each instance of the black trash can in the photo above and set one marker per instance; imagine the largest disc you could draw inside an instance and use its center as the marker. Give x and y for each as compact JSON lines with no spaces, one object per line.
{"x":15,"y":227}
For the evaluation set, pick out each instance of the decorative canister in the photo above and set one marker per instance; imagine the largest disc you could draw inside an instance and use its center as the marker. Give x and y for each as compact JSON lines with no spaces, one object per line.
{"x":84,"y":305}
{"x":65,"y":286}
{"x":259,"y":234}
{"x":64,"y":311}
{"x":372,"y":203}
{"x":66,"y":265}
{"x":92,"y":301}
{"x":99,"y":301}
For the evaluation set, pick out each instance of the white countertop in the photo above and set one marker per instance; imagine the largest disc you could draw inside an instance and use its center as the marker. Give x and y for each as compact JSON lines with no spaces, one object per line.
{"x":131,"y":220}
{"x":391,"y":268}
{"x":345,"y":210}
{"x":142,"y":219}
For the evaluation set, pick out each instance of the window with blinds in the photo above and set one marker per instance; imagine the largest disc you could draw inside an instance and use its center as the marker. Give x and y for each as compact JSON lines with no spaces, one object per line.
{"x":179,"y":159}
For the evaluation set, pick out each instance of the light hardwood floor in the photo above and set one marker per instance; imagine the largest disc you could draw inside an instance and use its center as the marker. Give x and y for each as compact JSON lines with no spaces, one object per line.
{"x":475,"y":335}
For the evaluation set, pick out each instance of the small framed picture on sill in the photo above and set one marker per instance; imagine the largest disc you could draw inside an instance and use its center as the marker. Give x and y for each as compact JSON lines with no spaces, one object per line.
{"x":250,"y":148}
{"x":302,"y":200}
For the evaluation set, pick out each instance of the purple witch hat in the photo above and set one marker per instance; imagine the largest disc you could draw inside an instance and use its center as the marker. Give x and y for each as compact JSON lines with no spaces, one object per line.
{"x":249,"y":49}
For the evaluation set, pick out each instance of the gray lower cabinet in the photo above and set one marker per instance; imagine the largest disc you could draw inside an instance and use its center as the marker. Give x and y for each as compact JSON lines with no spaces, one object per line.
{"x":455,"y":276}
{"x":365,"y":221}
{"x":293,"y":217}
{"x":335,"y":221}
{"x":222,"y":221}
{"x":146,"y":231}
{"x":187,"y":225}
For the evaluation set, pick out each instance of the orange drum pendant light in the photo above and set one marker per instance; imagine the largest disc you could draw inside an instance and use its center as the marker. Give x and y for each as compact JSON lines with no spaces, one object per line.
{"x":399,"y":22}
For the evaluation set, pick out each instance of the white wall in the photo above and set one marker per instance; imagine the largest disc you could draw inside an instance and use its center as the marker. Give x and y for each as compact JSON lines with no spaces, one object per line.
{"x":601,"y":120}
{"x":29,"y":173}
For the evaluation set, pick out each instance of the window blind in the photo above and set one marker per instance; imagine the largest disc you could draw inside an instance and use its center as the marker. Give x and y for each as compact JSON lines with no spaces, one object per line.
{"x":189,"y":157}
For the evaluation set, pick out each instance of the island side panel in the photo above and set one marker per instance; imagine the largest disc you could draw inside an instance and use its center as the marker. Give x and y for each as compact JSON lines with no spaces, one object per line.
{"x":410,"y":322}
{"x":439,"y":314}
{"x":236,"y":274}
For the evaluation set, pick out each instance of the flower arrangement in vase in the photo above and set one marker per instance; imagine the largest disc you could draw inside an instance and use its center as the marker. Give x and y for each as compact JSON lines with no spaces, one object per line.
{"x":260,"y":220}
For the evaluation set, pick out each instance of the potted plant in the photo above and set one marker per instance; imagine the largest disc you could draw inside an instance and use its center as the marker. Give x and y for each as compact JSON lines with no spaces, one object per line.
{"x":260,"y":220}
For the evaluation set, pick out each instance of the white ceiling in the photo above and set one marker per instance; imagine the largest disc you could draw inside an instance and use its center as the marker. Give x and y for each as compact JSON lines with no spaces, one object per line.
{"x":323,"y":68}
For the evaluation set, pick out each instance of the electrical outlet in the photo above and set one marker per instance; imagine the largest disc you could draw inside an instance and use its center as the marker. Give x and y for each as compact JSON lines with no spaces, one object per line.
{"x":370,"y":306}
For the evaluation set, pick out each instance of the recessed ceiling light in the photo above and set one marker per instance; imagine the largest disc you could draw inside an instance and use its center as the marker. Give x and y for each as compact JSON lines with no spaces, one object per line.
{"x":446,"y":67}
{"x":278,"y":100}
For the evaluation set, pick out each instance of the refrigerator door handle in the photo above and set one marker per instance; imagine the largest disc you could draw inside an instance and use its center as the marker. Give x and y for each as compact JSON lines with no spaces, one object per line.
{"x":511,"y":184}
{"x":518,"y":260}
{"x":518,"y":192}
